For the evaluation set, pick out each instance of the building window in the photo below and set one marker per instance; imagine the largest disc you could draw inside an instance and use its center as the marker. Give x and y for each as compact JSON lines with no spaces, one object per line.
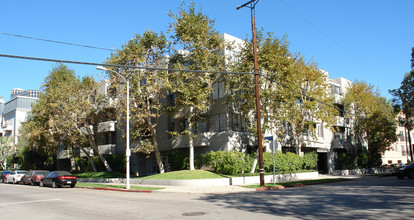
{"x":320,"y":130}
{"x":340,"y":133}
{"x":201,"y":127}
{"x":389,"y":161}
{"x":219,"y":122}
{"x":336,"y":90}
{"x":402,"y":136}
{"x":218,"y":90}
{"x":403,"y":151}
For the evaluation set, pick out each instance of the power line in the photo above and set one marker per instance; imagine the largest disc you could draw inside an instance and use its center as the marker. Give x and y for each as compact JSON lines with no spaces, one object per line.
{"x":189,"y":71}
{"x":118,"y":66}
{"x":58,"y":42}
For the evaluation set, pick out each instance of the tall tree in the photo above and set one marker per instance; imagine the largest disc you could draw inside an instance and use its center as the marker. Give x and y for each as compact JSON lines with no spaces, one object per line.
{"x":198,"y":47}
{"x":148,"y":88}
{"x":66,"y":113}
{"x":373,"y":120}
{"x":287,"y":91}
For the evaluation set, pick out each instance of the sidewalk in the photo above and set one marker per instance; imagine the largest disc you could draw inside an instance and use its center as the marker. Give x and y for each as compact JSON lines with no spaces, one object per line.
{"x":194,"y":189}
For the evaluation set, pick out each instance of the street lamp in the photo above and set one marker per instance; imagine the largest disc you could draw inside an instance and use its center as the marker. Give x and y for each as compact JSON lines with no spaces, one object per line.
{"x":128,"y":152}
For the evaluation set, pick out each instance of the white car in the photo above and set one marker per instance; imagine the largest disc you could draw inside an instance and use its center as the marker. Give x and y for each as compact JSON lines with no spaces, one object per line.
{"x":15,"y":176}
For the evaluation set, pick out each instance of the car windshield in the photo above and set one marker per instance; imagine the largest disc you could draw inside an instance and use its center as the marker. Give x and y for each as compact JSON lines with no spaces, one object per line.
{"x":21,"y":172}
{"x":44,"y":173}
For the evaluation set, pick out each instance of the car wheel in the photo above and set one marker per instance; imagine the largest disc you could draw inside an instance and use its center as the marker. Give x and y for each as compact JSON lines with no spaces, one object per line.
{"x":72,"y":186}
{"x":32,"y":183}
{"x":41,"y":184}
{"x":54,"y":185}
{"x":411,"y":175}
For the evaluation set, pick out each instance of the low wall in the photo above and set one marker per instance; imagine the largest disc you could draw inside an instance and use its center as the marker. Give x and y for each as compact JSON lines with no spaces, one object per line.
{"x":196,"y":182}
{"x":363,"y":171}
{"x":238,"y":181}
{"x":250,"y":180}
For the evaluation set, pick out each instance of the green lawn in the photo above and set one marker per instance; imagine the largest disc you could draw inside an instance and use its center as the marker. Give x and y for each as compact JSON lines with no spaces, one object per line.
{"x":115,"y":186}
{"x":185,"y":175}
{"x":100,"y":175}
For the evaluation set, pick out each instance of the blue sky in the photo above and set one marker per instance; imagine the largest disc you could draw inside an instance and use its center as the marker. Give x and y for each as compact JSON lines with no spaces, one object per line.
{"x":368,"y":40}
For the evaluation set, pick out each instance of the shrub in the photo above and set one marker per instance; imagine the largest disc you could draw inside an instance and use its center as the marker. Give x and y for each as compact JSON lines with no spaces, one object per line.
{"x":228,"y":163}
{"x":310,"y":160}
{"x":363,"y":160}
{"x":178,"y":160}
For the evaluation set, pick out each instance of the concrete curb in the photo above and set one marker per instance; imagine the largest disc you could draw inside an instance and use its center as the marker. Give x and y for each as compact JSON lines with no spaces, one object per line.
{"x":114,"y":189}
{"x":234,"y":181}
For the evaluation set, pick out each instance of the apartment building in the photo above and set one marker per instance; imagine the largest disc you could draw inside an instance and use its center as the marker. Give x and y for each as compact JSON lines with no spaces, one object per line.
{"x":15,"y":111}
{"x":224,"y":128}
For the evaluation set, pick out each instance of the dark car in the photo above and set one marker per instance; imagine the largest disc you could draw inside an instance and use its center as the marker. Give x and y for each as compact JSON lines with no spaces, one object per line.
{"x":58,"y":178}
{"x":33,"y":177}
{"x":3,"y":175}
{"x":405,"y":171}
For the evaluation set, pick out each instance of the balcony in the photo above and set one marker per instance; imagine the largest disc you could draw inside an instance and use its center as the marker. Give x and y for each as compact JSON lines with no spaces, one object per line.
{"x":201,"y":140}
{"x":107,"y":126}
{"x":7,"y":128}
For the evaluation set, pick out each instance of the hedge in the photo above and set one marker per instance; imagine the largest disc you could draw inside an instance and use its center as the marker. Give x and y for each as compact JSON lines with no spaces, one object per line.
{"x":231,"y":163}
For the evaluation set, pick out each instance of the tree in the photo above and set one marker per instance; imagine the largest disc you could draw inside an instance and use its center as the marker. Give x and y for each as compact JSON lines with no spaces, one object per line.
{"x":6,"y":150}
{"x":288,"y":91}
{"x":373,"y":120}
{"x":66,"y":113}
{"x":199,"y":48}
{"x":148,"y":88}
{"x":403,"y":100}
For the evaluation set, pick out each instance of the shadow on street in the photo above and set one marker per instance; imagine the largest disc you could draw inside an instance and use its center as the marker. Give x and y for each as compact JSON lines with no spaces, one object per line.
{"x":365,"y":197}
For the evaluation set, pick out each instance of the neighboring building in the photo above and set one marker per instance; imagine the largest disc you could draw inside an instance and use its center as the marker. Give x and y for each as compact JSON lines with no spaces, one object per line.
{"x":15,"y":111}
{"x":1,"y":114}
{"x":400,"y":151}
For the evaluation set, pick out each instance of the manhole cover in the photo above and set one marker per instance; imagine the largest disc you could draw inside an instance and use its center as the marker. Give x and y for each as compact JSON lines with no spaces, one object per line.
{"x":194,"y":213}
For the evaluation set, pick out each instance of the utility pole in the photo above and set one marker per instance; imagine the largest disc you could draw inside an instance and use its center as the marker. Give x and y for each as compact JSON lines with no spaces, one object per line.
{"x":252,"y":6}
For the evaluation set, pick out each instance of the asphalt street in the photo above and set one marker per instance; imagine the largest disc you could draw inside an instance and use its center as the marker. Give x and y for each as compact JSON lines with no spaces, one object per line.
{"x":360,"y":198}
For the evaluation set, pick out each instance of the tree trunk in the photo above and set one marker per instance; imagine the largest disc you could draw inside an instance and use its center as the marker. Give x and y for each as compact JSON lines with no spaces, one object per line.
{"x":256,"y":158}
{"x":89,"y":159}
{"x":156,"y":151}
{"x":411,"y":146}
{"x":72,"y":164}
{"x":190,"y":139}
{"x":92,"y":142}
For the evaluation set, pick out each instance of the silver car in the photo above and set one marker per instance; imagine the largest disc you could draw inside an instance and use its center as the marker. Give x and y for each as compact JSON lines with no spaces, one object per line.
{"x":15,"y":176}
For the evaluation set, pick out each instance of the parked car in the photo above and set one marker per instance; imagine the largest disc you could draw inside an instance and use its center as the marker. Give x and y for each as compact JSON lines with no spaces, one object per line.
{"x":15,"y":176}
{"x":58,"y":178}
{"x":3,"y":175}
{"x":33,"y":177}
{"x":405,"y":171}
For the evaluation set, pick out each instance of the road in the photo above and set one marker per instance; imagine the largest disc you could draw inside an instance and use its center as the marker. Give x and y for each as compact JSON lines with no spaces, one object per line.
{"x":361,"y":198}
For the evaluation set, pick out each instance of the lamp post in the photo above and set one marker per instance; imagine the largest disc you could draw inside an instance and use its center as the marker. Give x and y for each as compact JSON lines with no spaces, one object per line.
{"x":128,"y":152}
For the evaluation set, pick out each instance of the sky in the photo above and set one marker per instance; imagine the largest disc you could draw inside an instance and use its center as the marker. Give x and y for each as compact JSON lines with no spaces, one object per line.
{"x":368,"y":40}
